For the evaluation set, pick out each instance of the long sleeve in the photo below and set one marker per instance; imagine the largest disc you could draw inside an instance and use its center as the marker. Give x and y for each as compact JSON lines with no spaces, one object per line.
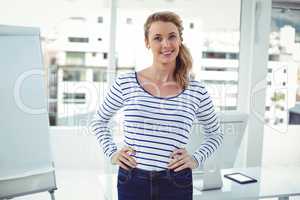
{"x":213,"y":136}
{"x":99,"y":124}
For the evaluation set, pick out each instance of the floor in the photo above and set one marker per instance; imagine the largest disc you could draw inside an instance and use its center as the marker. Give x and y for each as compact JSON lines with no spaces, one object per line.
{"x":73,"y":185}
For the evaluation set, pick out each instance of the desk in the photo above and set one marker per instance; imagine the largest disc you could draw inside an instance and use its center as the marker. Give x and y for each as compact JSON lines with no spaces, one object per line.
{"x":279,"y":182}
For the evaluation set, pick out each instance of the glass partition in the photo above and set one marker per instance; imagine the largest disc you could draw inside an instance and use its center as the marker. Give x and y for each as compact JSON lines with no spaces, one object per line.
{"x":283,"y":80}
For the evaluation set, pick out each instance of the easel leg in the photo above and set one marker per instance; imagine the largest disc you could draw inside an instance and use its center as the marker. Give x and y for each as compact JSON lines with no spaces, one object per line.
{"x":52,"y":194}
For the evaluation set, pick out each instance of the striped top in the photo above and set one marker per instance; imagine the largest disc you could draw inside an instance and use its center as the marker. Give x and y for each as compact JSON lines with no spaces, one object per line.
{"x":156,"y":126}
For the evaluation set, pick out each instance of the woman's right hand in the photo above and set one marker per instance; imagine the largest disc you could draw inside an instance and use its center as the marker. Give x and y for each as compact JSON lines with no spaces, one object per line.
{"x":124,"y":159}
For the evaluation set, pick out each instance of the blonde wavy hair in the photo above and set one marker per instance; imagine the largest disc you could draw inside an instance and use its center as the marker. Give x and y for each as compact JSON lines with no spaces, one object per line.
{"x":184,"y":59}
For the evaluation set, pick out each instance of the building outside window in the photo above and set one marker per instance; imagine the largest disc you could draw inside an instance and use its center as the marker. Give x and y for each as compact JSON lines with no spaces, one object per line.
{"x":282,"y":99}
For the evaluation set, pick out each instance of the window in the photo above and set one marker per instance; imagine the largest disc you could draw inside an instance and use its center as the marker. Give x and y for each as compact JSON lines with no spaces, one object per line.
{"x":78,"y":39}
{"x":75,"y":58}
{"x":128,"y":20}
{"x":221,"y":82}
{"x":220,"y":55}
{"x":283,"y":46}
{"x":100,"y":19}
{"x":105,"y":55}
{"x":227,"y":108}
{"x":191,"y":25}
{"x":82,"y":19}
{"x":74,"y":98}
{"x":52,"y":111}
{"x":234,"y":56}
{"x":99,"y":75}
{"x":53,"y":61}
{"x":218,"y":68}
{"x":273,"y":57}
{"x":73,"y":75}
{"x":217,"y":55}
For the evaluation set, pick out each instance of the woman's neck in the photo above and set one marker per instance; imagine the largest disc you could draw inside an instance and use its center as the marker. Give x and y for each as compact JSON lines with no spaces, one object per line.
{"x":162,"y":73}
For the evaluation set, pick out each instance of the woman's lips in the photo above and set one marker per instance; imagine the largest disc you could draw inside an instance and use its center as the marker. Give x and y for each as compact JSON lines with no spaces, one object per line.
{"x":167,"y":53}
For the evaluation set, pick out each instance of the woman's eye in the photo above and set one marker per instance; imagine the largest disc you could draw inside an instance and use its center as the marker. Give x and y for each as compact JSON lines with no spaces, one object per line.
{"x":172,"y":36}
{"x":157,"y":38}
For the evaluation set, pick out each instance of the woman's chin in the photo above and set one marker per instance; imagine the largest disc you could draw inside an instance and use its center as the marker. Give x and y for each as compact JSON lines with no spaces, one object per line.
{"x":168,"y":61}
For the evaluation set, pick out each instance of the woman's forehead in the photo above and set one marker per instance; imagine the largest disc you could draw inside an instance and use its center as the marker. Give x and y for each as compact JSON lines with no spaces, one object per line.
{"x":162,"y":28}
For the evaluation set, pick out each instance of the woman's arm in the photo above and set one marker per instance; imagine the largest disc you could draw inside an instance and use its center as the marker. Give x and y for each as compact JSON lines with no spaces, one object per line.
{"x":99,"y":124}
{"x":213,"y":136}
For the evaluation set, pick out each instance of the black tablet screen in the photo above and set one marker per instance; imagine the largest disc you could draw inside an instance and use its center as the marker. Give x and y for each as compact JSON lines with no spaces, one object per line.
{"x":241,"y":178}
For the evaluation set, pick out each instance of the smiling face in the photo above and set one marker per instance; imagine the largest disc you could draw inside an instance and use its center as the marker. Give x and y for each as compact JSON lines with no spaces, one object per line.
{"x":164,"y":41}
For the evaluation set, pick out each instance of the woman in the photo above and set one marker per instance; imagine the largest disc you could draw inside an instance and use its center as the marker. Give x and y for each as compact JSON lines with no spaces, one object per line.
{"x":160,"y":104}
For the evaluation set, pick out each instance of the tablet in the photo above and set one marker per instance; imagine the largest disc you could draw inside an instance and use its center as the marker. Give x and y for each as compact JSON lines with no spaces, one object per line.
{"x":240,"y":178}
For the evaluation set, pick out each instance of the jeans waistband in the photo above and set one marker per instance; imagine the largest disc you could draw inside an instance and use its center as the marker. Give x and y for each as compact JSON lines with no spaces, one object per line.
{"x":152,"y":174}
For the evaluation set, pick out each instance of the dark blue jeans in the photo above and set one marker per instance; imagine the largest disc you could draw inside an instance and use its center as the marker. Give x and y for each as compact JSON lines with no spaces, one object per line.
{"x":137,"y":184}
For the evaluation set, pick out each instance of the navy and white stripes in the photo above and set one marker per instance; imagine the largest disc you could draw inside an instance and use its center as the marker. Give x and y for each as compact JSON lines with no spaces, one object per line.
{"x":156,"y":126}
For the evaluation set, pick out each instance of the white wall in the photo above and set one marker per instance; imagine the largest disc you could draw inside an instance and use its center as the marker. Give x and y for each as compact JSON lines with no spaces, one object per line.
{"x":75,"y":148}
{"x":281,"y":148}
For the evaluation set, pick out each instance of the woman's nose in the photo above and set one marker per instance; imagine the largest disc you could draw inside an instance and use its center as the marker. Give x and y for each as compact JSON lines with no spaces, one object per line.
{"x":165,"y":42}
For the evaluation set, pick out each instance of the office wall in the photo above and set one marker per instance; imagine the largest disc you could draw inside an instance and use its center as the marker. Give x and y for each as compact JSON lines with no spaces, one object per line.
{"x":73,"y":148}
{"x":281,"y":148}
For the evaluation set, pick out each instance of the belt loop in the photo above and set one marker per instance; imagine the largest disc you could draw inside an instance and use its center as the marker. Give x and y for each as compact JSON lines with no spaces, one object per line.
{"x":168,"y":173}
{"x":152,"y":174}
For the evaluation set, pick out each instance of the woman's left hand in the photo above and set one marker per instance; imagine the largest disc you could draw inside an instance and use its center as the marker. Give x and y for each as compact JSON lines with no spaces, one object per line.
{"x":180,"y":159}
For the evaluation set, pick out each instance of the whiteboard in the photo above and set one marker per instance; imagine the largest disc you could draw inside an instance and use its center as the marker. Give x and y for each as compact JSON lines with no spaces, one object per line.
{"x":26,"y":164}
